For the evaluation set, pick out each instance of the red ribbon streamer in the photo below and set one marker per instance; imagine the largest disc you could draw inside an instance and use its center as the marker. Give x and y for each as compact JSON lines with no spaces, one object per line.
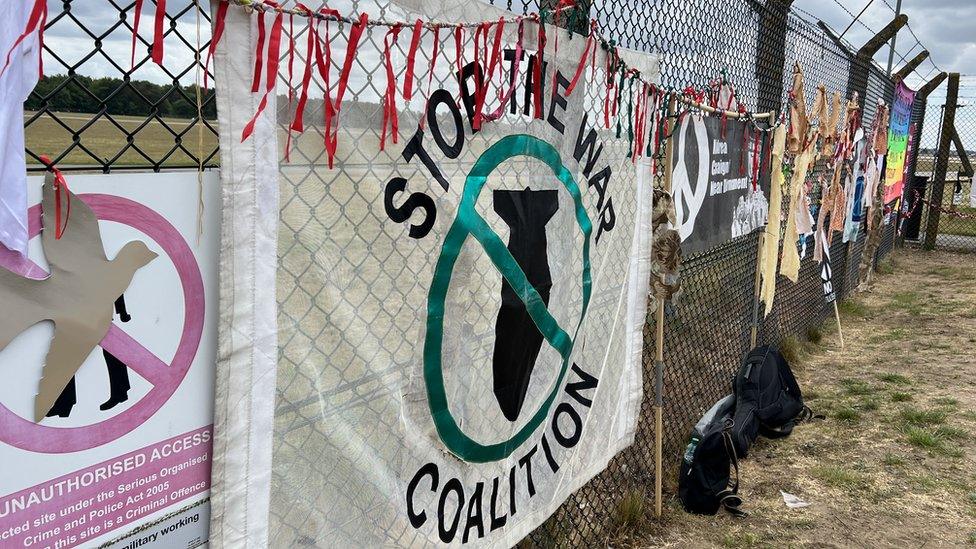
{"x":157,"y":48}
{"x":414,"y":42}
{"x":60,"y":185}
{"x":352,"y":45}
{"x":35,"y":22}
{"x":389,"y":99}
{"x":430,"y":74}
{"x":217,"y":34}
{"x":755,"y":161}
{"x":271,"y":70}
{"x":298,"y":123}
{"x":459,"y":51}
{"x":512,"y":81}
{"x":492,"y":64}
{"x":581,"y":67}
{"x":135,"y":31}
{"x":259,"y":55}
{"x":538,"y":73}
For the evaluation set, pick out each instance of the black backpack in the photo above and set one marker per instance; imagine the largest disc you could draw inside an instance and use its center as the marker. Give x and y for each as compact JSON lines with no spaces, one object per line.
{"x":766,"y":388}
{"x":705,"y":483}
{"x":766,"y":401}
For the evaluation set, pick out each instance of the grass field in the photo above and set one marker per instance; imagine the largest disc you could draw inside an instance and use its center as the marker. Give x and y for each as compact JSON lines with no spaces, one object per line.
{"x":102,"y":140}
{"x":892,"y":464}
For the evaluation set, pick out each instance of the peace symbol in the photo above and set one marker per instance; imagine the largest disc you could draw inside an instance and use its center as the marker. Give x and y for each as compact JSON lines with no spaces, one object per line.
{"x":469,"y":222}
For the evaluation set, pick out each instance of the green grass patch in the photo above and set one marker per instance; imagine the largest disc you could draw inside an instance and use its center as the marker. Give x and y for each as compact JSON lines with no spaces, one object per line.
{"x":853,"y":308}
{"x":792,"y":349}
{"x":949,"y":432}
{"x":737,"y":540}
{"x":847,"y":414}
{"x":947,"y":402}
{"x":631,"y":510}
{"x":897,"y":379}
{"x":899,"y":396}
{"x":892,"y":460}
{"x":815,"y":335}
{"x":923,"y":438}
{"x":857,"y":387}
{"x":885,"y":267}
{"x":909,"y":302}
{"x":870,"y":404}
{"x":922,"y":418}
{"x":839,"y":477}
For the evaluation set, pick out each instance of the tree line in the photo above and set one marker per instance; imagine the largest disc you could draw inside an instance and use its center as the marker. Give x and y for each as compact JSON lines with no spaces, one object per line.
{"x":60,"y":92}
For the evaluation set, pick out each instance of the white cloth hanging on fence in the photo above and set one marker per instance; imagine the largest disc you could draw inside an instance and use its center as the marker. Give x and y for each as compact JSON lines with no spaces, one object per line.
{"x":16,"y":83}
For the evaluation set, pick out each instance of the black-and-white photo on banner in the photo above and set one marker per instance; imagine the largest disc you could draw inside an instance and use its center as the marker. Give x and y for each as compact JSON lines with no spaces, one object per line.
{"x":715,"y":163}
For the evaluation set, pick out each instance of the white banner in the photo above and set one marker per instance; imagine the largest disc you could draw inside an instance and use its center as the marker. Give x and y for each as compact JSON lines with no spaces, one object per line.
{"x":460,"y":314}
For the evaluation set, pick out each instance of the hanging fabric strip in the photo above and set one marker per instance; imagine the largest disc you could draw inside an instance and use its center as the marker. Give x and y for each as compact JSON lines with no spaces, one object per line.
{"x":218,"y":32}
{"x":135,"y":32}
{"x":513,"y":78}
{"x":298,"y":123}
{"x":60,"y":187}
{"x":35,"y":22}
{"x":389,"y":99}
{"x":539,"y":72}
{"x":496,"y":53}
{"x":355,"y":34}
{"x":157,"y":47}
{"x":258,"y":55}
{"x":323,"y":63}
{"x":291,"y":89}
{"x":430,"y":73}
{"x":411,"y":57}
{"x":271,"y":70}
{"x":581,"y":66}
{"x":459,"y":51}
{"x":755,"y":160}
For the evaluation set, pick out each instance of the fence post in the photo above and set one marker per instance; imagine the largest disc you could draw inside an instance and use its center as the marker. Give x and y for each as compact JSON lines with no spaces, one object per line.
{"x":942,"y":161}
{"x":918,"y":116}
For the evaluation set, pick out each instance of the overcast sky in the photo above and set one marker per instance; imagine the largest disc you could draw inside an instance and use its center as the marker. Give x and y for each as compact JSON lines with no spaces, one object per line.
{"x":944,"y":27}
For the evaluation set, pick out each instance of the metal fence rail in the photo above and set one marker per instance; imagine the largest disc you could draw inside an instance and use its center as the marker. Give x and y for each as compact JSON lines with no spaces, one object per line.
{"x":752,"y":43}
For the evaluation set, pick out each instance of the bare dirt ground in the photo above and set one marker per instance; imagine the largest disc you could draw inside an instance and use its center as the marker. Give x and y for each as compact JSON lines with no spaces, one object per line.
{"x":894,"y":463}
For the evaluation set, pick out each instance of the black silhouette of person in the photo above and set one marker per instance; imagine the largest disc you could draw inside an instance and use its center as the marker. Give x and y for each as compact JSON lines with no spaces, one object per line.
{"x":118,"y":378}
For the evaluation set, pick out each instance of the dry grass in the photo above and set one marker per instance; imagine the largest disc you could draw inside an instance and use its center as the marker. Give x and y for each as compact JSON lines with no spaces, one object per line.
{"x":893,"y":464}
{"x":106,"y":140}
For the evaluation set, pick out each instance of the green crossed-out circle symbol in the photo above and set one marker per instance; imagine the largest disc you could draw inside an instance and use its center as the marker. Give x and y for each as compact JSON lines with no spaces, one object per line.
{"x":469,"y":222}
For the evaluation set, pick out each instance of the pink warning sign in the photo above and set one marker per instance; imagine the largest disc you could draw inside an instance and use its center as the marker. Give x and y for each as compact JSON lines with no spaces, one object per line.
{"x":72,"y":509}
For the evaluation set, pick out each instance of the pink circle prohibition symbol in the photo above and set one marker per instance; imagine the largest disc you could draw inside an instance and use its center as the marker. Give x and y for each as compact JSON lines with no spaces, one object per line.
{"x":165,"y":378}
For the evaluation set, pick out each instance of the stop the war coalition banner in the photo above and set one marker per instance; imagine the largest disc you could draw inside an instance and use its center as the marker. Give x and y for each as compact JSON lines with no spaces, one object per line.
{"x":715,"y":165}
{"x":460,"y":344}
{"x":122,"y":457}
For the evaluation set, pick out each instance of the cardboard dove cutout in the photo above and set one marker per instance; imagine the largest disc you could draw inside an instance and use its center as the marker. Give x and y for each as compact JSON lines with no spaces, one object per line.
{"x":77,"y":296}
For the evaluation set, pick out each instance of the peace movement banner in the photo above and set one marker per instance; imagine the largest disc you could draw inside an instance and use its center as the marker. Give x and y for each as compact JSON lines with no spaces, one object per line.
{"x":715,"y":167}
{"x":459,"y":313}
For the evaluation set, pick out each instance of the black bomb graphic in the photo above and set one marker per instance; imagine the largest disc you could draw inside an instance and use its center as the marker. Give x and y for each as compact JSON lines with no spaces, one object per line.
{"x":518,"y":340}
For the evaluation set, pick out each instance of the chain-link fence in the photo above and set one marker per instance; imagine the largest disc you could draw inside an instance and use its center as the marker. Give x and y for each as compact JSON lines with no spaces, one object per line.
{"x":955,"y":227}
{"x":98,"y":108}
{"x":753,"y":44}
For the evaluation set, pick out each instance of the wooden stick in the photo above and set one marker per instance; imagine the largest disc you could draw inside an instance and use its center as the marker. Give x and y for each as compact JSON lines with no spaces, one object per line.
{"x":729,"y":114}
{"x":839,"y":331}
{"x":659,"y":342}
{"x":754,"y":335}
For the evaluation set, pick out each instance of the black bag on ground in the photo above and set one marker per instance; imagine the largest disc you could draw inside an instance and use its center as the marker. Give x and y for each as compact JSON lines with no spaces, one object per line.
{"x":705,"y":483}
{"x":766,"y":388}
